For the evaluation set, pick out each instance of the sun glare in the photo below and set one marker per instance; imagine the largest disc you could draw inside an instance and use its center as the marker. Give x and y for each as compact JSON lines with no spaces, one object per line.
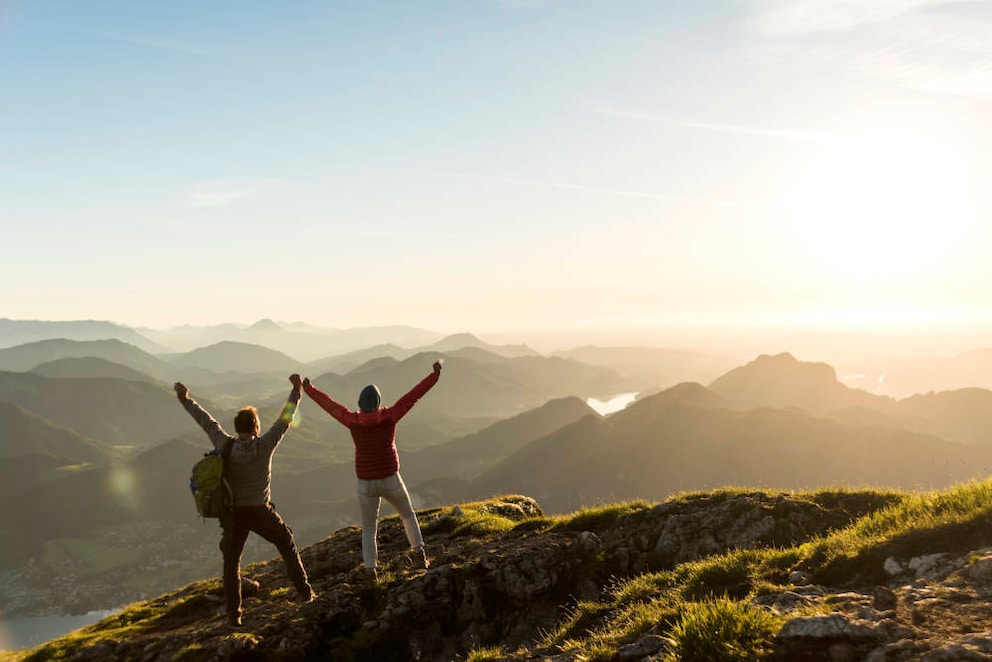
{"x":882,"y":201}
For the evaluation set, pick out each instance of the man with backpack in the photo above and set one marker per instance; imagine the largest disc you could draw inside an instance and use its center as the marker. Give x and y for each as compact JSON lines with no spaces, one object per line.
{"x":248,"y":470}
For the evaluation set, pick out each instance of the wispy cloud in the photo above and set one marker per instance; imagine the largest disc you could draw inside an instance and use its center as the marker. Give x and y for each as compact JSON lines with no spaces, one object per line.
{"x":764,"y":132}
{"x":584,"y":189}
{"x":931,"y":45}
{"x":219,"y":193}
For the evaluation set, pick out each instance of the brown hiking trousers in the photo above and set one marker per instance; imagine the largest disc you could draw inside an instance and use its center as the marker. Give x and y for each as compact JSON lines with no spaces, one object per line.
{"x":266,"y":522}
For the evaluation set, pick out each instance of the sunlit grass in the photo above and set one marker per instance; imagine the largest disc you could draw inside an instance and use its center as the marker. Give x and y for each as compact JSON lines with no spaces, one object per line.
{"x":486,"y":654}
{"x":600,"y":517}
{"x":480,"y":518}
{"x":704,"y":607}
{"x":722,"y":629}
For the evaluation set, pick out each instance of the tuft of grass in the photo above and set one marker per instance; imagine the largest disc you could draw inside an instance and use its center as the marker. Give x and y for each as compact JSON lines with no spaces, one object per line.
{"x":580,"y":619}
{"x":601,"y":517}
{"x":281,"y":592}
{"x":644,"y":587}
{"x":487,"y":654}
{"x":494,"y":515}
{"x":722,"y":629}
{"x":721,"y":574}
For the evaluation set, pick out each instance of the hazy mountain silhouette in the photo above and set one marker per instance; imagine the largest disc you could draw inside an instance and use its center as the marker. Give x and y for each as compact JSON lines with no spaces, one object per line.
{"x":22,"y":358}
{"x":113,"y":411}
{"x":30,"y":472}
{"x":460,"y":344}
{"x":964,"y":414}
{"x":783,"y":381}
{"x":88,"y":368}
{"x":25,"y":433}
{"x":470,"y":455}
{"x":20,"y":332}
{"x":229,"y":356}
{"x":908,"y":375}
{"x":665,"y":444}
{"x":301,"y":341}
{"x":655,"y":367}
{"x":463,"y":340}
{"x":343,"y":363}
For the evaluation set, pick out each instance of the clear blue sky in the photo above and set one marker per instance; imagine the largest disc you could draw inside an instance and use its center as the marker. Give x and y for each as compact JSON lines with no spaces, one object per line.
{"x":497,"y":165}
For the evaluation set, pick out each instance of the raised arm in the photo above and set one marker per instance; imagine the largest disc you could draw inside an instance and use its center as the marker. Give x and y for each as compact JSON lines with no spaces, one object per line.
{"x":278,"y":430}
{"x":326,"y":402}
{"x":213,"y":429}
{"x":405,"y":404}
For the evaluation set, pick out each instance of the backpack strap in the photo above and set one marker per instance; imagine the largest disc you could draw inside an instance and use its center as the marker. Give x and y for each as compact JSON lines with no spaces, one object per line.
{"x":225,"y":451}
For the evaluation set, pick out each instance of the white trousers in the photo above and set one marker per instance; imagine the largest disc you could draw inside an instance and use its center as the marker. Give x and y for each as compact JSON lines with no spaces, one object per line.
{"x":393,"y":490}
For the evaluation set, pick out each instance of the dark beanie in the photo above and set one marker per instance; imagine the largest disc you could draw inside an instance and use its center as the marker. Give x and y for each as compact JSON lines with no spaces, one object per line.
{"x":369,"y":398}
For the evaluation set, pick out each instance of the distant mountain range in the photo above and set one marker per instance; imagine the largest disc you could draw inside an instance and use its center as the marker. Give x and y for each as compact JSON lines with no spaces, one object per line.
{"x":774,"y":422}
{"x":20,"y":332}
{"x":22,"y":358}
{"x":301,"y":341}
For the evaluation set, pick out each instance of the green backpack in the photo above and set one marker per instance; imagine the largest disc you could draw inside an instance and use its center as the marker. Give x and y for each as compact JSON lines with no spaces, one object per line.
{"x":211,"y":491}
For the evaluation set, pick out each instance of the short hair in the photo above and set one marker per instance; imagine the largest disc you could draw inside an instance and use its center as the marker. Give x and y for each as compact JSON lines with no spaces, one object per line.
{"x":246,"y":421}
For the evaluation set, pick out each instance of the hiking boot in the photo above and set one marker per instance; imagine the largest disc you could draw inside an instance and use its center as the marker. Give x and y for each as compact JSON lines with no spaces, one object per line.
{"x":306,"y":598}
{"x":371,"y":574}
{"x":420,"y":561}
{"x":234,"y":620}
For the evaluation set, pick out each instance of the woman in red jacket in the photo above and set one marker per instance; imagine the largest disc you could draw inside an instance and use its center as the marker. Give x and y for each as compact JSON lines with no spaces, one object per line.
{"x":377,"y":464}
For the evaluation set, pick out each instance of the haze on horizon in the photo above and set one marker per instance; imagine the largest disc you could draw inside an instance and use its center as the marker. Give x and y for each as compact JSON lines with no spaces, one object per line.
{"x":500,"y":165}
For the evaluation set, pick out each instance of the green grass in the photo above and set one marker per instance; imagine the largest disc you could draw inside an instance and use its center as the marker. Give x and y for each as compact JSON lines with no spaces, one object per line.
{"x":487,"y":654}
{"x":599,"y":518}
{"x":724,"y":630}
{"x":482,"y":518}
{"x":954,"y":520}
{"x":703,"y":607}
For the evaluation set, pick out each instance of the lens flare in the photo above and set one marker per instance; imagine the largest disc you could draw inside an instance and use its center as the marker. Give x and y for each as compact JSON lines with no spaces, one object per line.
{"x":122,"y":482}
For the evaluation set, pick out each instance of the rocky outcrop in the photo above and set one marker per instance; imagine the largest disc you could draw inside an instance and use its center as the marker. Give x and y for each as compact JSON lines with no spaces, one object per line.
{"x":935,"y":608}
{"x":505,"y":585}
